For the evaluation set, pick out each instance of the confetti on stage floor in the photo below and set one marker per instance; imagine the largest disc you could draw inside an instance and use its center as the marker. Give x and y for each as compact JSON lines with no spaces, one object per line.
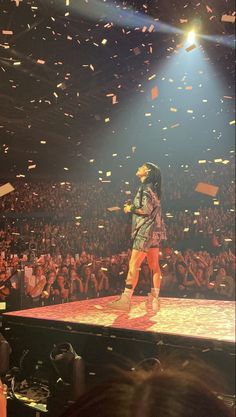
{"x":206,"y":319}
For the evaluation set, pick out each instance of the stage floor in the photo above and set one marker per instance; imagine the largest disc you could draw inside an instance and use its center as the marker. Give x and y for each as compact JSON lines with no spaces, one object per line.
{"x":203,"y":319}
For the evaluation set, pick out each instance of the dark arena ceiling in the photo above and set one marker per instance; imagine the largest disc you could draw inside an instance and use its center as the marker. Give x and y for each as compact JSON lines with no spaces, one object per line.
{"x":72,"y":73}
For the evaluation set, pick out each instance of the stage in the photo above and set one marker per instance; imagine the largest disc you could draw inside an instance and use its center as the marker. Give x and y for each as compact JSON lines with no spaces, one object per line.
{"x":103,"y":337}
{"x":199,"y":319}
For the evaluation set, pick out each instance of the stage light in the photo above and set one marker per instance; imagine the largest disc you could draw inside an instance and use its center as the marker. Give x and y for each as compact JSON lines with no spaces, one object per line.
{"x":191,"y":37}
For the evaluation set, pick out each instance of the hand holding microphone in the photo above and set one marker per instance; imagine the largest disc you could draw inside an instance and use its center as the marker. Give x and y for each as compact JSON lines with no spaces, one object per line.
{"x":127,"y":206}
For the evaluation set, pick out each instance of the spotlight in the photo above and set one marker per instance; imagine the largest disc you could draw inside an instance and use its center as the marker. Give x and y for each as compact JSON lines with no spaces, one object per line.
{"x":191,"y":37}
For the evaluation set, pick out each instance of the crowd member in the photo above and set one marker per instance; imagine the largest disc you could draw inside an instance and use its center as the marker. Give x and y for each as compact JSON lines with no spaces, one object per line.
{"x":159,"y":392}
{"x":48,"y":293}
{"x":90,"y":283}
{"x":75,"y":285}
{"x":224,"y":285}
{"x":35,"y":285}
{"x":5,"y":286}
{"x":102,"y":283}
{"x":187,"y":282}
{"x":60,"y":289}
{"x":169,"y":280}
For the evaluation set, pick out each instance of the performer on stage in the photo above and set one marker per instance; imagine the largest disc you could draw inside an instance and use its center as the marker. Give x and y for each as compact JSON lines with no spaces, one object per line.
{"x":148,"y":230}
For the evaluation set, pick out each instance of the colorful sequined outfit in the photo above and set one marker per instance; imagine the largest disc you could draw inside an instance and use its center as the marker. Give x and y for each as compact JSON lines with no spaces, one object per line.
{"x":148,"y":229}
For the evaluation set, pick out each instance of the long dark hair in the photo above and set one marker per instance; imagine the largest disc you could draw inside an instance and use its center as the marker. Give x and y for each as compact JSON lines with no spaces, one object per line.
{"x":154,"y":178}
{"x":160,"y":392}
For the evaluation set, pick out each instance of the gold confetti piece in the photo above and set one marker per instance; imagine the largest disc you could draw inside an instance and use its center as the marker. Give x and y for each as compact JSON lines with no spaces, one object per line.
{"x":207,"y":189}
{"x":209,"y":10}
{"x":202,"y":161}
{"x":190,"y":48}
{"x":7,"y":32}
{"x":232,"y":122}
{"x":66,"y":169}
{"x":67,"y":2}
{"x":218,"y":160}
{"x":228,"y":18}
{"x":114,"y":100}
{"x":148,"y":114}
{"x":6,"y":189}
{"x":225,"y":162}
{"x":107,"y":120}
{"x":114,"y":154}
{"x":154,"y":92}
{"x":173,"y":109}
{"x":101,"y":227}
{"x":108,"y":173}
{"x":104,"y":41}
{"x":133,"y":149}
{"x":151,"y":77}
{"x":115,"y":208}
{"x":197,"y":213}
{"x":151,"y":28}
{"x":183,"y":20}
{"x":43,"y":142}
{"x":216,"y":203}
{"x":104,"y":269}
{"x":32,"y":166}
{"x":190,"y":111}
{"x":186,"y":229}
{"x":40,"y":61}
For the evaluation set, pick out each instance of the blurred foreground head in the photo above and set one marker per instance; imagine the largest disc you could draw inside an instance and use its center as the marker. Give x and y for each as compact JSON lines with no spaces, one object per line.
{"x":186,"y":390}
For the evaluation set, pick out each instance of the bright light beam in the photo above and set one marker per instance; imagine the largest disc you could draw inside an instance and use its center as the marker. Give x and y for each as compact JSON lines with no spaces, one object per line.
{"x":98,"y":10}
{"x":191,"y":37}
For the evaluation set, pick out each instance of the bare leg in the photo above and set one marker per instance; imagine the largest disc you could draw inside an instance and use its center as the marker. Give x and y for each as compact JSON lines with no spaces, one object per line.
{"x":153,"y":262}
{"x":123,"y":303}
{"x":136,"y":259}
